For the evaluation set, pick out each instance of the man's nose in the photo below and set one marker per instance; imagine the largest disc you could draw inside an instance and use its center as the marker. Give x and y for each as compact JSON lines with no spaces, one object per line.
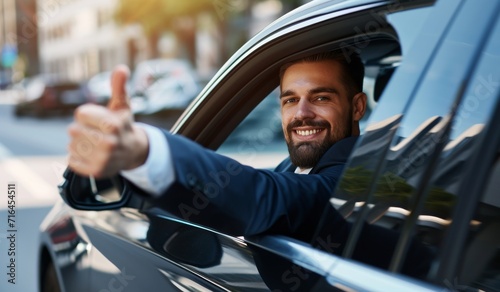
{"x":304,"y":110}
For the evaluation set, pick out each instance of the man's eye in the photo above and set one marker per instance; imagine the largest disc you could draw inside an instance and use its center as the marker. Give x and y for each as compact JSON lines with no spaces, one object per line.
{"x":322,"y":98}
{"x":289,"y":100}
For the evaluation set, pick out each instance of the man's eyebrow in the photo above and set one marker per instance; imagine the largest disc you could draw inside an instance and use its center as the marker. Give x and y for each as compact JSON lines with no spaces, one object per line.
{"x":323,"y":89}
{"x":311,"y":91}
{"x":287,"y":93}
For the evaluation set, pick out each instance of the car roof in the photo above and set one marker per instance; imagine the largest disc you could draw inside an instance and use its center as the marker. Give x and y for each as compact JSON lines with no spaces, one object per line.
{"x":307,"y":11}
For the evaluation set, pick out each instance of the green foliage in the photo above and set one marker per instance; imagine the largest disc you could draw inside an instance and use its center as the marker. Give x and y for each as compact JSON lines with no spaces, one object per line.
{"x":157,"y":15}
{"x":393,"y":190}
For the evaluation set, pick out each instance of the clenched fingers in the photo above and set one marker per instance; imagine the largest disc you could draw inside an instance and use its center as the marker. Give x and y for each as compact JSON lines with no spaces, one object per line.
{"x":95,"y":140}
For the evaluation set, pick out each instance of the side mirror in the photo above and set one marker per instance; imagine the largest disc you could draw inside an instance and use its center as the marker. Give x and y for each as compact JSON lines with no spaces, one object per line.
{"x":81,"y":193}
{"x":195,"y":247}
{"x":183,"y":243}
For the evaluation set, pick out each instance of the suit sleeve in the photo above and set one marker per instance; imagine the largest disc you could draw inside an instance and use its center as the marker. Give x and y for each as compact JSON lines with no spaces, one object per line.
{"x":218,"y":192}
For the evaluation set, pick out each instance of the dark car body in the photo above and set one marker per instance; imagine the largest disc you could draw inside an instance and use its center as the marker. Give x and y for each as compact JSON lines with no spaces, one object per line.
{"x":426,"y":166}
{"x":49,"y":95}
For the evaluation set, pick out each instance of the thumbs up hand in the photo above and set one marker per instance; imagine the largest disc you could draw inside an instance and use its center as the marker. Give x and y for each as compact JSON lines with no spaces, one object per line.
{"x":119,"y":99}
{"x":104,"y":140}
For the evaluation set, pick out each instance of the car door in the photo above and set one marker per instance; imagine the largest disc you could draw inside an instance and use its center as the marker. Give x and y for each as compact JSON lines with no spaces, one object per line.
{"x":425,"y":169}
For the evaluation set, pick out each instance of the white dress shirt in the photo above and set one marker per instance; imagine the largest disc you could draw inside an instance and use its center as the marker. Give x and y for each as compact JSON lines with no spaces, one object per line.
{"x":157,"y":173}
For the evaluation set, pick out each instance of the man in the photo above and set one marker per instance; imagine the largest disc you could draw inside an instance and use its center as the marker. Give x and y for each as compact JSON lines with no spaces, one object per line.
{"x":321,"y":105}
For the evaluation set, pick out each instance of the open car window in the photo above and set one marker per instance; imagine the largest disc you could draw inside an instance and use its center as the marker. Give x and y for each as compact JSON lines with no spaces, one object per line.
{"x":258,"y":140}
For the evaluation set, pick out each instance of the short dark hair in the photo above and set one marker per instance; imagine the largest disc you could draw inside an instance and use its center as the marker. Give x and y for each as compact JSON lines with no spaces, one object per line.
{"x":353,"y":68}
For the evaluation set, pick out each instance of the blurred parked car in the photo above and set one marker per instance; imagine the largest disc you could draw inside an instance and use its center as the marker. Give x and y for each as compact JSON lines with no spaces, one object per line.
{"x":49,"y":95}
{"x":161,"y":89}
{"x":98,"y":88}
{"x":167,"y":93}
{"x":426,"y":167}
{"x":148,"y":72}
{"x":165,"y":100}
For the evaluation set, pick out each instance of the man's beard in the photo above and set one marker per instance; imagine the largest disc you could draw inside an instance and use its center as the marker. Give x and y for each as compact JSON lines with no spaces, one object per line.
{"x":307,"y":154}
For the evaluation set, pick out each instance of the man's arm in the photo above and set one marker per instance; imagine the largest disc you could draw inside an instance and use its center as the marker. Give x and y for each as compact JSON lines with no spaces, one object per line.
{"x":217,"y":191}
{"x":210,"y":189}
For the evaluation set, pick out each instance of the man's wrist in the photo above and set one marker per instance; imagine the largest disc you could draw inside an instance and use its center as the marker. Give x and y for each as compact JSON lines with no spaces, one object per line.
{"x":157,"y":173}
{"x":142,"y":146}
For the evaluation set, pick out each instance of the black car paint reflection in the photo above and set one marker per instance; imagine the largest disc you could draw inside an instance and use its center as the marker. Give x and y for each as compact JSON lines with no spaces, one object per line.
{"x":172,"y":254}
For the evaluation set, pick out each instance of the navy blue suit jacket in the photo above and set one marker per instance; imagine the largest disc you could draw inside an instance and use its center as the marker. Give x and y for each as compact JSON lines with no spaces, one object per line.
{"x":218,"y":192}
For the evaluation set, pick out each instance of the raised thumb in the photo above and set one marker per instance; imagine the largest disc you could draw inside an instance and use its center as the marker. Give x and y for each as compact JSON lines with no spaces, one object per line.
{"x":119,"y":99}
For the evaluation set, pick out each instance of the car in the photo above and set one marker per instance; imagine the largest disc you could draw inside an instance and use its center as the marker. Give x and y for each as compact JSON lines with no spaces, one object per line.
{"x":164,"y":101}
{"x":161,"y":89}
{"x":426,"y":166}
{"x":46,"y":95}
{"x":147,"y":72}
{"x":98,"y":87}
{"x":168,"y":93}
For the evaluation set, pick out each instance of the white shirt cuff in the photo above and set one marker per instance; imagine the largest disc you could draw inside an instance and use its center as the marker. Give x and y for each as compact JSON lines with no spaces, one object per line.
{"x":157,"y":174}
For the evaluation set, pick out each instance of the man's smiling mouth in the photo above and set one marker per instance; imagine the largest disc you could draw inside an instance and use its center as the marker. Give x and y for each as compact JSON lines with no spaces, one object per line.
{"x":308,"y":132}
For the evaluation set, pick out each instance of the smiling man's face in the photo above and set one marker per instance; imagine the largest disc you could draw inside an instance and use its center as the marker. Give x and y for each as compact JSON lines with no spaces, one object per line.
{"x":316,"y":110}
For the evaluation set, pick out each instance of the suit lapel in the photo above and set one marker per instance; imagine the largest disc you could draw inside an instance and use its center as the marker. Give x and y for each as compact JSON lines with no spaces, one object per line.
{"x":285,"y":166}
{"x":336,"y":155}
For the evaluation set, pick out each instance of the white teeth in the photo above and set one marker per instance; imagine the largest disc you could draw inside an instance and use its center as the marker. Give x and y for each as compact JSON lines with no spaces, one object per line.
{"x":308,"y":132}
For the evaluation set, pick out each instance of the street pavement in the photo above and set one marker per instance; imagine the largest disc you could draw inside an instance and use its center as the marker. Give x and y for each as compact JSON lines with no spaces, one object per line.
{"x":32,"y":160}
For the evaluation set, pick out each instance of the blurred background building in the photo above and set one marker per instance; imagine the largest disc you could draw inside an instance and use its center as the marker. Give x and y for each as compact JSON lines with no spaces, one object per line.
{"x":80,"y":38}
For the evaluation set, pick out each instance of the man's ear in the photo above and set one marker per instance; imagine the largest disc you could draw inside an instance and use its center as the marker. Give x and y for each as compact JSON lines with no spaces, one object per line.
{"x":358,"y":106}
